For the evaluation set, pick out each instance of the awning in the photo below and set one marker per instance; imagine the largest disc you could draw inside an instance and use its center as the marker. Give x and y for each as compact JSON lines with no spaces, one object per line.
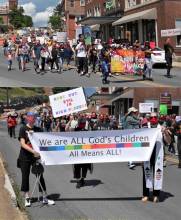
{"x":147,"y":14}
{"x":97,"y":20}
{"x":126,"y":95}
{"x":95,"y":27}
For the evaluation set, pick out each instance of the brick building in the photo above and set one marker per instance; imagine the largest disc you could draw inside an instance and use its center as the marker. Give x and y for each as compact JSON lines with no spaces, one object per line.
{"x":5,"y":7}
{"x":135,"y":19}
{"x":144,"y":20}
{"x":133,"y":96}
{"x":73,"y":11}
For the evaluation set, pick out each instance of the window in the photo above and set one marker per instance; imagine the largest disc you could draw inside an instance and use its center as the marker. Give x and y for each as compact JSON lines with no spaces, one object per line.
{"x":82,"y":2}
{"x":71,"y":3}
{"x":130,"y":3}
{"x":178,"y":25}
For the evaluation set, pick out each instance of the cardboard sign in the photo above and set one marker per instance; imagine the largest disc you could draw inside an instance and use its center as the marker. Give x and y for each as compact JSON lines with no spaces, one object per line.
{"x":146,"y":107}
{"x":68,"y":102}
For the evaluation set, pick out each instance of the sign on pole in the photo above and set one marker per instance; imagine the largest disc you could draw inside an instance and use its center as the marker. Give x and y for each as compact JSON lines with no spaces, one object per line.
{"x":166,"y":98}
{"x":163,"y":109}
{"x":146,"y":107}
{"x":68,"y":102}
{"x":171,"y":32}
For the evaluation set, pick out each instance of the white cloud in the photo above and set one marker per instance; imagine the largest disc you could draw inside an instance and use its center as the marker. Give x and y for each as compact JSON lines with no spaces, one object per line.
{"x":39,"y":18}
{"x":29,"y":8}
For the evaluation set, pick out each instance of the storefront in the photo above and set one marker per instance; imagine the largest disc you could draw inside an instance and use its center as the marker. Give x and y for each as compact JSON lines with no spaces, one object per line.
{"x":140,"y":26}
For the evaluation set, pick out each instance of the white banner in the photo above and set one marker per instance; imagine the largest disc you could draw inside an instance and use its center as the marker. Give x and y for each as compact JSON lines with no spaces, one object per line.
{"x":68,"y":102}
{"x":170,"y":32}
{"x":95,"y":146}
{"x":146,"y":107}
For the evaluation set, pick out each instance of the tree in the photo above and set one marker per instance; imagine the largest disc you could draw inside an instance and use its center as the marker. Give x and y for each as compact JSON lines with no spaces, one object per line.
{"x":28,"y":21}
{"x":18,"y":19}
{"x":56,"y":19}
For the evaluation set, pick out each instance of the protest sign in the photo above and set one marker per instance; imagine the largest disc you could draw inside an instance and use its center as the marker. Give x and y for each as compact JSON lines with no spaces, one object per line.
{"x":163,"y":109}
{"x":61,"y":37}
{"x":68,"y":102}
{"x":146,"y":107}
{"x":126,"y":61}
{"x":95,"y":146}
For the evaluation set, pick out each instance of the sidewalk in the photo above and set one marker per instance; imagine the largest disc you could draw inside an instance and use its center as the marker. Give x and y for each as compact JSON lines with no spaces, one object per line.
{"x":8,"y":211}
{"x":176,"y":64}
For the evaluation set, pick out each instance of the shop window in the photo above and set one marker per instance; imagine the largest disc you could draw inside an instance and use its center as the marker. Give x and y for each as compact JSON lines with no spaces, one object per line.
{"x":178,"y":38}
{"x":82,"y":2}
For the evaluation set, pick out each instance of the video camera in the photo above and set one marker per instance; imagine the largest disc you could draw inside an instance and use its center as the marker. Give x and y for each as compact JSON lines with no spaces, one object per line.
{"x":37,"y":167}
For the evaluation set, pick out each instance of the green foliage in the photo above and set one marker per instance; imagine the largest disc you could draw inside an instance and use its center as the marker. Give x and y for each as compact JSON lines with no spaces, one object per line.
{"x":18,"y":19}
{"x":55,"y":20}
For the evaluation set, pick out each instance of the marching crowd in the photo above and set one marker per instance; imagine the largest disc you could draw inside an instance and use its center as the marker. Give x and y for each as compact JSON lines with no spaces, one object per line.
{"x":52,"y":55}
{"x":42,"y":120}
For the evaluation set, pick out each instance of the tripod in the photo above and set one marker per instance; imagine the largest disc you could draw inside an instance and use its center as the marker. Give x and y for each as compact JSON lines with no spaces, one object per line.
{"x":37,"y":170}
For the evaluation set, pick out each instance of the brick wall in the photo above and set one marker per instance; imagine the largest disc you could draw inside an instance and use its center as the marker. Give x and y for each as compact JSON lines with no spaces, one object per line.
{"x":140,"y":94}
{"x":167,"y":12}
{"x":77,"y":9}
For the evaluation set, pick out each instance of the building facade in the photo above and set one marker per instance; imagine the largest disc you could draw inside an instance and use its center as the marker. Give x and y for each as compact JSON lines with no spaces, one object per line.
{"x":5,"y":7}
{"x":73,"y":11}
{"x":133,"y":96}
{"x":143,"y":20}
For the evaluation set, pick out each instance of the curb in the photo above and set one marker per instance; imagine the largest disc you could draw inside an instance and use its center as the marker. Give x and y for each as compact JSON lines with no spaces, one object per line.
{"x":8,"y":185}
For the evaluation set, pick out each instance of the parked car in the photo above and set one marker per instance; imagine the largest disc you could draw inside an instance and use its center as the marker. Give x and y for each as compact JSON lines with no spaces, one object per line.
{"x":158,"y":56}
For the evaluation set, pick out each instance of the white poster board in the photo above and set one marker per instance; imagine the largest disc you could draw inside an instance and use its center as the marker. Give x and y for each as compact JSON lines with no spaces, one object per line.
{"x":58,"y":148}
{"x":170,"y":32}
{"x":146,"y":107}
{"x":68,"y":102}
{"x":61,"y":37}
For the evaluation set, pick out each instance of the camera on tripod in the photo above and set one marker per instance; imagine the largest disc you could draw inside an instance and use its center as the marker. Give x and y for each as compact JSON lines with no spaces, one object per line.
{"x":37,"y":167}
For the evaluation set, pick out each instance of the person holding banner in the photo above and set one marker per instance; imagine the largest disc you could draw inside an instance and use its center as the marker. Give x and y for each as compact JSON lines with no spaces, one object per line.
{"x":132,"y":121}
{"x":79,"y":170}
{"x":27,"y":157}
{"x":153,"y":171}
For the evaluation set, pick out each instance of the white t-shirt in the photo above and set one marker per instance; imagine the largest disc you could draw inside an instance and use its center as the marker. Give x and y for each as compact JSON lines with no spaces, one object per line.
{"x":81,"y":50}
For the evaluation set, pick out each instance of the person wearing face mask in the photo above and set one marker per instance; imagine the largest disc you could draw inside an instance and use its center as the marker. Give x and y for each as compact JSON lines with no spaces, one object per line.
{"x":132,"y":121}
{"x":27,"y":157}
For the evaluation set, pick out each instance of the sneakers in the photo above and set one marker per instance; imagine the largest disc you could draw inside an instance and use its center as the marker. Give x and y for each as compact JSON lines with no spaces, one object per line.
{"x":145,"y":199}
{"x":155,"y":199}
{"x":27,"y":202}
{"x":48,"y":201}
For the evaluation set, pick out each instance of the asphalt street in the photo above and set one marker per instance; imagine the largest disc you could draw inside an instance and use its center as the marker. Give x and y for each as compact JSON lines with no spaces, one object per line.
{"x":112,"y":192}
{"x":71,"y":78}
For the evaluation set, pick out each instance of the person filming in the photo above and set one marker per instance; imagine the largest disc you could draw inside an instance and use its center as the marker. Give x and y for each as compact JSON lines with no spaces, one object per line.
{"x":27,"y":157}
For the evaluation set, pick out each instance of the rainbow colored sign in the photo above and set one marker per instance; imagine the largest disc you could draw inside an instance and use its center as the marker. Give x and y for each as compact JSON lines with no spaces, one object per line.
{"x":94,"y":146}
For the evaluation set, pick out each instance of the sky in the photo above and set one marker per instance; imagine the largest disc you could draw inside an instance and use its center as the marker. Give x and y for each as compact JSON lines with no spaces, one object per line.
{"x":40,"y":10}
